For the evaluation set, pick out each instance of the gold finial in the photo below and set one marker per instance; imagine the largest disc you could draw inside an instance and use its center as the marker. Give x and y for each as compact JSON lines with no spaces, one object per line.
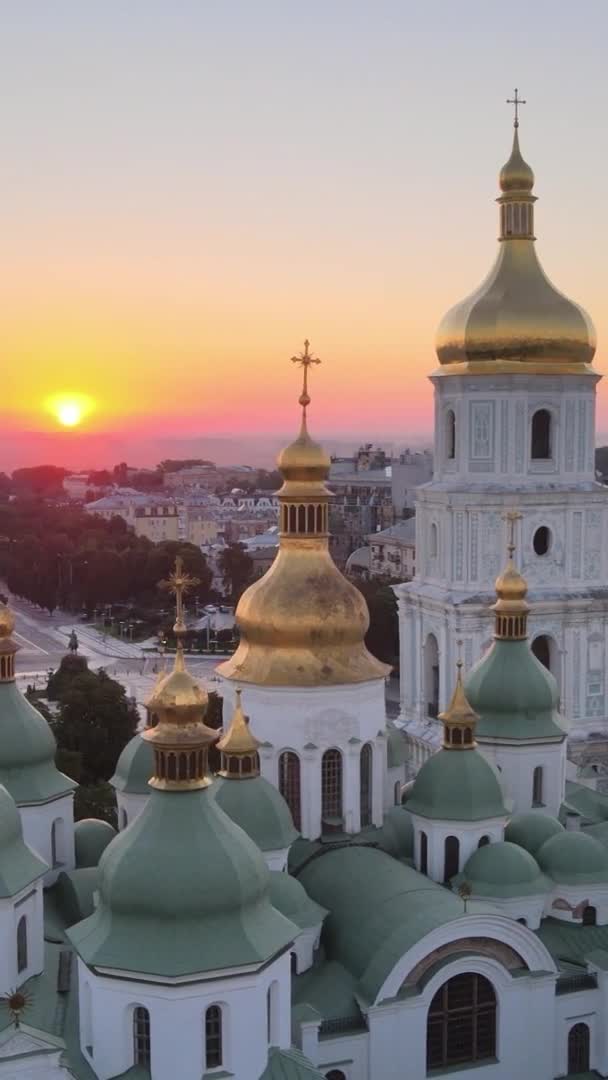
{"x":179,"y":583}
{"x":511,"y":608}
{"x":239,"y":747}
{"x":516,"y":101}
{"x":511,"y":517}
{"x":305,"y":359}
{"x":459,"y":719}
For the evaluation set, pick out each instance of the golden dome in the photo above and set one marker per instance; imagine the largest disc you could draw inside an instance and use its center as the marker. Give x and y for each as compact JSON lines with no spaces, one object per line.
{"x":7,"y":621}
{"x":177,"y":690}
{"x":239,"y":738}
{"x":510,"y":585}
{"x":516,"y":174}
{"x":303,"y":623}
{"x":516,"y":320}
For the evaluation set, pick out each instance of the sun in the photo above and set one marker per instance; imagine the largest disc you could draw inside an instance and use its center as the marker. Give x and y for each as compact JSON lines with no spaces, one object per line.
{"x":69,"y":409}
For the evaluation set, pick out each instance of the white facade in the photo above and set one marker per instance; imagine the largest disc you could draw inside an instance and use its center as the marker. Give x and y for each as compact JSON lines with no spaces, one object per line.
{"x":484,"y":466}
{"x":533,"y":775}
{"x":129,"y":806}
{"x":434,"y":833}
{"x":21,"y":937}
{"x":255,"y":1011}
{"x":48,"y":828}
{"x":309,"y":722}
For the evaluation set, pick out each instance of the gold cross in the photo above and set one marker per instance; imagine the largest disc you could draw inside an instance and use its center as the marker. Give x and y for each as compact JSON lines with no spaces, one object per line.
{"x":179,"y":583}
{"x":459,"y":645}
{"x":516,"y":101}
{"x":305,"y":359}
{"x":511,"y":517}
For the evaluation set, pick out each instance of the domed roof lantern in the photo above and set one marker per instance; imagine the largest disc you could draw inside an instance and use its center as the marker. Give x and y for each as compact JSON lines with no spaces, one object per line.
{"x":459,"y":719}
{"x":239,"y":746}
{"x":511,"y":608}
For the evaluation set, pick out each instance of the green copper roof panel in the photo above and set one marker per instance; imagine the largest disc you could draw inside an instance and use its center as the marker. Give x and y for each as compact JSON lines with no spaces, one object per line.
{"x":134,"y":767}
{"x":289,"y":1065}
{"x":457,"y":785}
{"x":502,"y":870}
{"x":259,"y":808}
{"x":19,"y":865}
{"x":289,"y":896}
{"x":27,"y":751}
{"x":513,"y":694}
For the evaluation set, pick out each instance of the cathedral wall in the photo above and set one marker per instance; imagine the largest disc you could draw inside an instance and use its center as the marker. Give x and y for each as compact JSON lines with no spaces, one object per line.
{"x":516,"y":765}
{"x":38,"y":832}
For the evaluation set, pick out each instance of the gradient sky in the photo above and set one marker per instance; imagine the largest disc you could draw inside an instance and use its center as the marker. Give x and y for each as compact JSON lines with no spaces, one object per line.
{"x":191,"y":187}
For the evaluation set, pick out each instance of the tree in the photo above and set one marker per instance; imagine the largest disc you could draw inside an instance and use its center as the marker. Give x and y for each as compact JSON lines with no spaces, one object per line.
{"x":42,"y":480}
{"x":95,"y":719}
{"x":236,"y":567}
{"x":382,"y":638}
{"x":601,"y":461}
{"x":175,"y":464}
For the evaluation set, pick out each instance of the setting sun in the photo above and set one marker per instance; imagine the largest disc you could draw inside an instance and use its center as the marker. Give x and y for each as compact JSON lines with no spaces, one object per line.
{"x":69,"y":409}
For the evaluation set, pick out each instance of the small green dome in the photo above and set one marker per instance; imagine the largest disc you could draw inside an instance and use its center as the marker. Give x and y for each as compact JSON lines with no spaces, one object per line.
{"x":457,"y":785}
{"x":289,"y":897}
{"x":572,"y":858}
{"x":19,"y":866}
{"x":182,"y":890}
{"x":260,"y":810}
{"x":397,"y":833}
{"x":27,"y":751}
{"x":134,"y":767}
{"x":504,"y":870}
{"x":531,"y":829}
{"x":91,"y":838}
{"x":513,"y":694}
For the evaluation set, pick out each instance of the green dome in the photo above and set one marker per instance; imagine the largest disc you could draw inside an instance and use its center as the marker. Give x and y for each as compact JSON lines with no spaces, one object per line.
{"x":134,"y":767}
{"x":19,"y":866}
{"x":289,"y":897}
{"x":27,"y":751}
{"x":531,"y":829}
{"x":457,"y":785}
{"x":182,"y":890}
{"x":397,"y":833}
{"x":91,"y":838}
{"x":513,"y":694}
{"x":572,"y":858}
{"x":504,"y":870}
{"x":260,"y":810}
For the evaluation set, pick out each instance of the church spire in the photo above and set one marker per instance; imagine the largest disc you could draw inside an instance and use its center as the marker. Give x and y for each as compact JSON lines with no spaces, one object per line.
{"x":180,"y":739}
{"x":239,"y":747}
{"x":459,"y":719}
{"x":516,"y":183}
{"x":511,"y":608}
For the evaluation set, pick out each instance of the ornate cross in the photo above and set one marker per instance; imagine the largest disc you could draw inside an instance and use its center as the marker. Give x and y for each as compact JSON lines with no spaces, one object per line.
{"x":516,"y":101}
{"x":511,"y":517}
{"x":305,"y":359}
{"x":459,"y":645}
{"x":179,"y":583}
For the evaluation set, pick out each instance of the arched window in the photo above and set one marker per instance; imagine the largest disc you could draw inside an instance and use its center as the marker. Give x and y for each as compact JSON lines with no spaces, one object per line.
{"x":523,"y":922}
{"x":433,"y":541}
{"x":398,"y":793}
{"x":213,"y":1037}
{"x":272,"y":1002}
{"x":578,"y":1049}
{"x":335,"y":1074}
{"x":589,"y":916}
{"x":484,"y":840}
{"x":57,"y":842}
{"x":124,"y":820}
{"x":294,"y":963}
{"x":141,"y":1036}
{"x":301,"y":519}
{"x":451,"y":862}
{"x":365,"y":780}
{"x":450,"y":435}
{"x":431,"y":675}
{"x":289,"y":784}
{"x":22,"y":943}
{"x":86,"y":1014}
{"x":424,"y":853}
{"x":331,"y":788}
{"x":537,"y":786}
{"x":311,"y":519}
{"x":541,"y":435}
{"x":541,"y":647}
{"x":461,"y":1024}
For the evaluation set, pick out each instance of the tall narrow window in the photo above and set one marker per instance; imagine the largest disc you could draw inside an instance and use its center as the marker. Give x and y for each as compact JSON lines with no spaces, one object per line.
{"x":213,"y":1037}
{"x":541,"y":434}
{"x":537,"y":786}
{"x":433,"y":541}
{"x":331,"y":787}
{"x":431,"y":675}
{"x":450,"y":435}
{"x":289,"y":784}
{"x":578,"y":1049}
{"x":461,"y":1023}
{"x":22,"y":943}
{"x":424,"y":853}
{"x":141,"y":1036}
{"x":365,"y":780}
{"x":452,"y":857}
{"x":272,"y":1002}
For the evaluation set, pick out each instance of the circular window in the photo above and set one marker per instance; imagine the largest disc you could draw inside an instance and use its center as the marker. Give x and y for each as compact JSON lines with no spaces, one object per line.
{"x":541,"y":540}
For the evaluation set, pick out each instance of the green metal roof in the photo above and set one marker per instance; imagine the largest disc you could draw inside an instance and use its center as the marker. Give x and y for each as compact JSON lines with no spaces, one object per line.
{"x":530,"y":830}
{"x":328,"y":988}
{"x":91,"y":838}
{"x":574,"y":858}
{"x":573,"y":942}
{"x":513,"y":694}
{"x":378,"y":908}
{"x":289,"y":1065}
{"x":74,"y":893}
{"x":457,"y":785}
{"x":259,"y":808}
{"x":134,"y":767}
{"x":502,"y":870}
{"x":182,"y":890}
{"x":289,"y":896}
{"x":590,"y":804}
{"x":396,"y":835}
{"x":27,"y":751}
{"x":19,"y":866}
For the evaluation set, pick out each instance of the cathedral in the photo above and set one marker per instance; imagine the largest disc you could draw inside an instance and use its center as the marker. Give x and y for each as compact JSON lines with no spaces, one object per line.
{"x":304,"y":910}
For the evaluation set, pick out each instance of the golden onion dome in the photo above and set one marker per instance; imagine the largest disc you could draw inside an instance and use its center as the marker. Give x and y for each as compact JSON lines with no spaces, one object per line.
{"x":177,"y":690}
{"x":510,"y":585}
{"x":7,"y":621}
{"x":516,"y":320}
{"x":303,"y":623}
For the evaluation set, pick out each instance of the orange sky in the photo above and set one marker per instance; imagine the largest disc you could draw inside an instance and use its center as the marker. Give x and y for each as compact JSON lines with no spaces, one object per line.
{"x":187,"y":198}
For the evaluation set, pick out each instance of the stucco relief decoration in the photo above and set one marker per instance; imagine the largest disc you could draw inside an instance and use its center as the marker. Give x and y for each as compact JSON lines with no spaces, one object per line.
{"x":341,"y":725}
{"x":482,"y":430}
{"x":593,"y":544}
{"x":480,"y":946}
{"x":492,"y":547}
{"x":569,"y":437}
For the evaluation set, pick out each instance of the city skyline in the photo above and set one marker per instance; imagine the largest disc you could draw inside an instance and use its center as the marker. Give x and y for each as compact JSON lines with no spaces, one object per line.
{"x":175,"y":227}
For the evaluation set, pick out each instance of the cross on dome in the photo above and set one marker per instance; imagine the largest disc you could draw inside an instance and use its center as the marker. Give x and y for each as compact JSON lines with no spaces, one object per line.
{"x":179,"y":583}
{"x":516,"y":101}
{"x":305,"y":359}
{"x":511,"y":517}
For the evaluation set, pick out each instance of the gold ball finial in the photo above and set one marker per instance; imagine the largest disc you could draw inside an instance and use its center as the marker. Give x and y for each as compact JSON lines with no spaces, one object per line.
{"x":7,"y":621}
{"x":511,"y":586}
